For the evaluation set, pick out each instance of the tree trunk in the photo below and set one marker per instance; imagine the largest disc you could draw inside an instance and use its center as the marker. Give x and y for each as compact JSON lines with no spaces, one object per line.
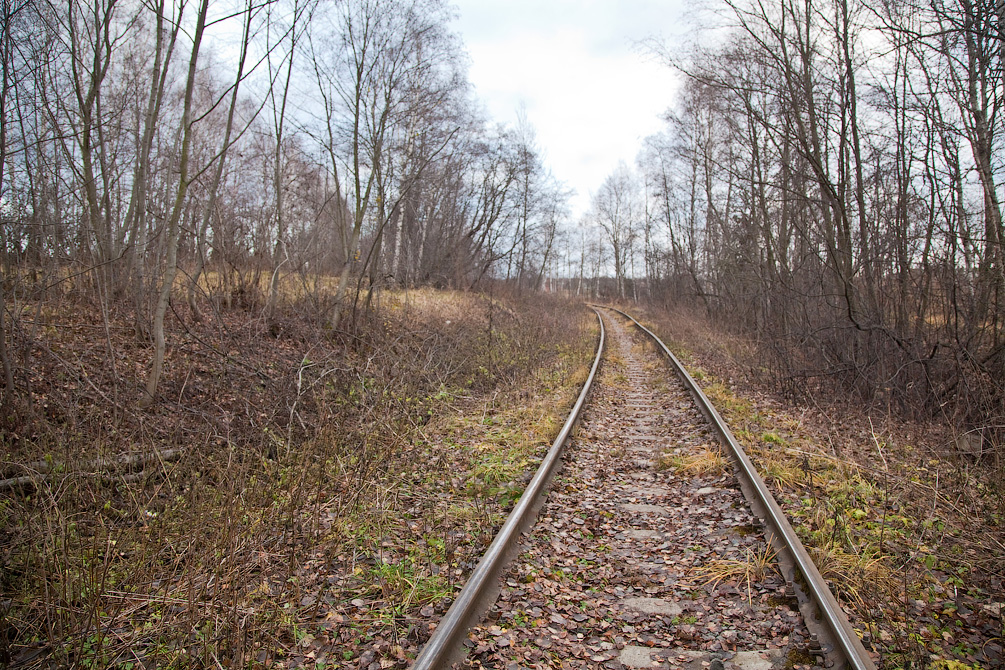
{"x":218,"y":171}
{"x":172,"y":234}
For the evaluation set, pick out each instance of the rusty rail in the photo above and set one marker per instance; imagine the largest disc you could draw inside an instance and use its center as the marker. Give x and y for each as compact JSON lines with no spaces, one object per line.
{"x":481,"y":589}
{"x":846,"y":648}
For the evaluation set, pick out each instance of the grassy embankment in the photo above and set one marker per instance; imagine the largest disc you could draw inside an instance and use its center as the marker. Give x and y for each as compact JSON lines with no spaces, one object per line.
{"x":322,"y":493}
{"x":905,"y":528}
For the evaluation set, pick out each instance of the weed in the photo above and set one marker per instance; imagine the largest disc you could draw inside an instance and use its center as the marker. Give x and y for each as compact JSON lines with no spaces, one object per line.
{"x":773,"y":438}
{"x":520,"y":619}
{"x":949,"y":664}
{"x":320,"y":450}
{"x":706,"y":462}
{"x":851,"y":576}
{"x":406,"y":584}
{"x":757,"y":565}
{"x":779,"y":472}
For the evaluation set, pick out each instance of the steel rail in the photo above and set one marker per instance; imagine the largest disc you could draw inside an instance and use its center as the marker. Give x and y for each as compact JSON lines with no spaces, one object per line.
{"x":849,"y":646}
{"x":445,"y":645}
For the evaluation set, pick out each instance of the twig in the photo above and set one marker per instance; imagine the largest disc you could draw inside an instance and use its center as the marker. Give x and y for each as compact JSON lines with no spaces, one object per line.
{"x":101,"y":467}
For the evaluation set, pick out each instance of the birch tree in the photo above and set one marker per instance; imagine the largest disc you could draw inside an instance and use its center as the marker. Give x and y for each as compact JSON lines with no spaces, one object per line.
{"x":172,"y":231}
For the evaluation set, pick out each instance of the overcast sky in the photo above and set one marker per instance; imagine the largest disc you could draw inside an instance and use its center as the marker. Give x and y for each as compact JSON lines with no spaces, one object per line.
{"x":589,"y":91}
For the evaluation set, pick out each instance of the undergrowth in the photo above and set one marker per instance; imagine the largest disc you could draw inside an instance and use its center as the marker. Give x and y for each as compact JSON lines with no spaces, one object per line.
{"x":315,"y":469}
{"x":905,"y":530}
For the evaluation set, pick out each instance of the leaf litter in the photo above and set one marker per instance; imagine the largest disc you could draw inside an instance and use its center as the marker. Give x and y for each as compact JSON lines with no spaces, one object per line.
{"x":627,"y":556}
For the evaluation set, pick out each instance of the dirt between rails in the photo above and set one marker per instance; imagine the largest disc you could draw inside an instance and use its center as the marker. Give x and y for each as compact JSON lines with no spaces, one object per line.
{"x":634,"y":562}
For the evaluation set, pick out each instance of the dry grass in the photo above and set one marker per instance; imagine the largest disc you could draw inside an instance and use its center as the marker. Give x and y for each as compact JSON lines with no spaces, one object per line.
{"x":778,"y":471}
{"x":303,"y":454}
{"x":907,"y":532}
{"x":751,"y":570}
{"x":706,"y":462}
{"x":852,"y":576}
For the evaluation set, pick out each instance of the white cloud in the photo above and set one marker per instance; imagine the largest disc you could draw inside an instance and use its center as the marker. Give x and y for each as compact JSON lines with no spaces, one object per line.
{"x":589,"y":93}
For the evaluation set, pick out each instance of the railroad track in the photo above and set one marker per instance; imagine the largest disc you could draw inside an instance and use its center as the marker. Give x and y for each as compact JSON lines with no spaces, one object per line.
{"x":650,"y":549}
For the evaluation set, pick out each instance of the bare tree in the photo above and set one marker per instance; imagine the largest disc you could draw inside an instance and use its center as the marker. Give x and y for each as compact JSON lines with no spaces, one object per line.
{"x":209,"y":209}
{"x":9,"y":11}
{"x":172,"y":231}
{"x":616,"y":209}
{"x":166,"y":29}
{"x":812,"y":178}
{"x":368,"y":56}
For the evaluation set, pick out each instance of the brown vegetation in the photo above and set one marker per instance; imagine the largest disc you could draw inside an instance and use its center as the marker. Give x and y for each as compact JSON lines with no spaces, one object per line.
{"x":827,"y":183}
{"x":314,"y":467}
{"x":905,"y":526}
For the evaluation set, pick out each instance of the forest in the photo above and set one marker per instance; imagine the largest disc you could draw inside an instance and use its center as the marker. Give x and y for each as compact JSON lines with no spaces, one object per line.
{"x":827,"y":181}
{"x":254,"y":255}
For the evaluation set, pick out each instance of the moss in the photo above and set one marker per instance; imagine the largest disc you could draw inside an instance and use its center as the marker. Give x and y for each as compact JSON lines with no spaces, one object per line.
{"x":798,"y":657}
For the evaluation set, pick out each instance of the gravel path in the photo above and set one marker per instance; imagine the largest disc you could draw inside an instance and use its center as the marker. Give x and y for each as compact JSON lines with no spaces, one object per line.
{"x":634,"y":563}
